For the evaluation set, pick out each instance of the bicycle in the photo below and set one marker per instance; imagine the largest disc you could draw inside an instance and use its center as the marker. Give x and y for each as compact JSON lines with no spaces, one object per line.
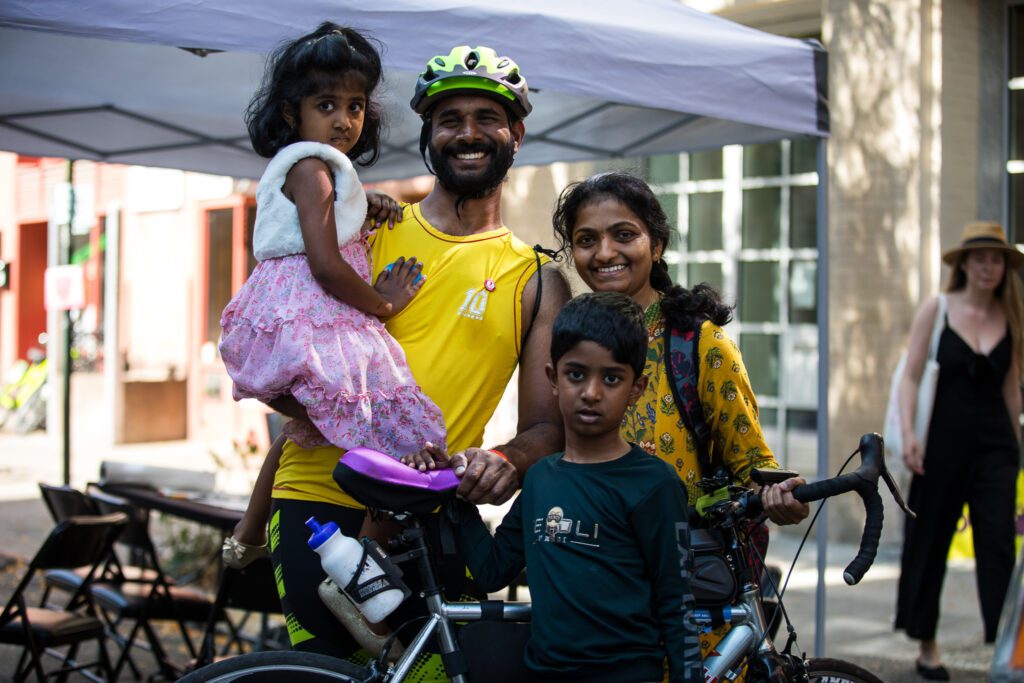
{"x":724,"y":586}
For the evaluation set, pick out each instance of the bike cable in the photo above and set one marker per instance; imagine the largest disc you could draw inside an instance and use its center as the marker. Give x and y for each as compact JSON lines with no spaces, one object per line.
{"x":780,"y":593}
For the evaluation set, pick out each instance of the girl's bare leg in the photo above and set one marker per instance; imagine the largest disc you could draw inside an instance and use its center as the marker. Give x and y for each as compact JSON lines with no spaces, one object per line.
{"x":252,"y":529}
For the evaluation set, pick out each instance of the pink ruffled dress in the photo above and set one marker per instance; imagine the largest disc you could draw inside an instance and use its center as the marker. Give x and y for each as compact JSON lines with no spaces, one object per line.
{"x":283,"y":334}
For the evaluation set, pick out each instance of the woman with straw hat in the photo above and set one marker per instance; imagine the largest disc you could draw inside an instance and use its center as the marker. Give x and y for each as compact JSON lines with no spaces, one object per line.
{"x":972,"y":447}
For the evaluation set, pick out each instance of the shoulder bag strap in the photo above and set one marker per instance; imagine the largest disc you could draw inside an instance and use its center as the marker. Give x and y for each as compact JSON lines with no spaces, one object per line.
{"x":940,"y":323}
{"x":682,"y":362}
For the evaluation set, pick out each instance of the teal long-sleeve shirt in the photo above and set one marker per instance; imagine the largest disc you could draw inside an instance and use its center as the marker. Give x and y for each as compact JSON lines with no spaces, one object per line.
{"x":607,"y":551}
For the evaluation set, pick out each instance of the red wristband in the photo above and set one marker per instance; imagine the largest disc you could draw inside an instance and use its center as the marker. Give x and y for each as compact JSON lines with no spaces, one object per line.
{"x":497,"y":452}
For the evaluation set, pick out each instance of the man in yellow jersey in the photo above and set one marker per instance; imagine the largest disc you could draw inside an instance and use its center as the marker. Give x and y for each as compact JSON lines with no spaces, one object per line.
{"x":486,"y":307}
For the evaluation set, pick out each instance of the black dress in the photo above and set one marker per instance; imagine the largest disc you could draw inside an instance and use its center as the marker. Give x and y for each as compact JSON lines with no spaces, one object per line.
{"x":971,"y":456}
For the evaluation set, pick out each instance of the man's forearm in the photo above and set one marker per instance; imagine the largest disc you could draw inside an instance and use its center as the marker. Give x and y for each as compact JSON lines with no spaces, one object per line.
{"x":532,"y":444}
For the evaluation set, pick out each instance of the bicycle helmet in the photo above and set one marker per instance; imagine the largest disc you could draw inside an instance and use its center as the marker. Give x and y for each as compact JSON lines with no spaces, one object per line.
{"x":472,"y":71}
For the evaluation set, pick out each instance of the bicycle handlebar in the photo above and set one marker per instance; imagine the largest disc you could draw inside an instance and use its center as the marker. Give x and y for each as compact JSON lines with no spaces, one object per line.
{"x":865,"y":482}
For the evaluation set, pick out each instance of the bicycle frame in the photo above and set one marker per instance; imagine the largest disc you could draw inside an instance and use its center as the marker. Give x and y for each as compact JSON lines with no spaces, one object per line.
{"x":748,"y":622}
{"x":441,"y":613}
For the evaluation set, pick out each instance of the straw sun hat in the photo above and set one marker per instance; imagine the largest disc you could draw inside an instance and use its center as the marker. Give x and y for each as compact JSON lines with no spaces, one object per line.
{"x":985,"y":235}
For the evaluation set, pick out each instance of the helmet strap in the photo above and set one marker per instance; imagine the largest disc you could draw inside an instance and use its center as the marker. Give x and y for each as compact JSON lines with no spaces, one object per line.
{"x":425,"y":131}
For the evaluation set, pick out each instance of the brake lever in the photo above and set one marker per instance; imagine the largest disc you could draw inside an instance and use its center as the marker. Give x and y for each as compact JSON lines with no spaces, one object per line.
{"x":895,"y":491}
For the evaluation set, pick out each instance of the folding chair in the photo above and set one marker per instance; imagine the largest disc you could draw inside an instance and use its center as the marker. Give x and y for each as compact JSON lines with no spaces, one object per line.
{"x":252,"y":589}
{"x":63,"y":503}
{"x":76,"y":542}
{"x":143,"y":601}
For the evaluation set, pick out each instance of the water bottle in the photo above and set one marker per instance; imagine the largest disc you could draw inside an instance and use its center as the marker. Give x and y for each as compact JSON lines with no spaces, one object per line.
{"x":340,"y":557}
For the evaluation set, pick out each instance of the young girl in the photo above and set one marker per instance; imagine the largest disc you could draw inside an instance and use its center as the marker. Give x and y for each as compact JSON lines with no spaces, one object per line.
{"x":303,"y":334}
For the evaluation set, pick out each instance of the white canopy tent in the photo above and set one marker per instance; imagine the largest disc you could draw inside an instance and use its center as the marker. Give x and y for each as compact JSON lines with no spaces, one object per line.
{"x":107,"y":81}
{"x":124,"y":81}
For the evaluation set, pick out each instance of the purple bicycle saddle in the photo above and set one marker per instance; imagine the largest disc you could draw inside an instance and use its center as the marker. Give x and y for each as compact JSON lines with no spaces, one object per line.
{"x":379,"y":481}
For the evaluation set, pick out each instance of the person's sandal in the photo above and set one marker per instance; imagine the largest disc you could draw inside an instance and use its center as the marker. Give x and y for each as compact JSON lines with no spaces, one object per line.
{"x":932,"y":673}
{"x":238,"y":555}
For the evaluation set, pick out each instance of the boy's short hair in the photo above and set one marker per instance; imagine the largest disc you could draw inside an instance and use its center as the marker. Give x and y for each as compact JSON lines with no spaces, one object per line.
{"x":610,"y":319}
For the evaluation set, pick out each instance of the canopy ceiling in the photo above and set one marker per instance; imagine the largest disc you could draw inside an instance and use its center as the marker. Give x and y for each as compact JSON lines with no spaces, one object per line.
{"x":108,"y":80}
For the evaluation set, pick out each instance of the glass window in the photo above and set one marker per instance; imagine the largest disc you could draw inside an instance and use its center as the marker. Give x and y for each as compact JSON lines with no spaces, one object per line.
{"x":1016,"y":207}
{"x":670,"y":204}
{"x":705,"y":221}
{"x":803,"y":155}
{"x":762,"y":160}
{"x":218,"y":272}
{"x":663,"y":168}
{"x":761,"y":358}
{"x":759,"y":291}
{"x":803,"y":292}
{"x":710,"y":273}
{"x":1016,"y":124}
{"x":803,"y":217}
{"x":1016,"y":40}
{"x":802,"y":441}
{"x":706,"y":165}
{"x":761,"y":218}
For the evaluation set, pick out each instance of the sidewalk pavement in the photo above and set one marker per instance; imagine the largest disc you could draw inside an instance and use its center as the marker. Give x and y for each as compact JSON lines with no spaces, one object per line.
{"x":858,"y":623}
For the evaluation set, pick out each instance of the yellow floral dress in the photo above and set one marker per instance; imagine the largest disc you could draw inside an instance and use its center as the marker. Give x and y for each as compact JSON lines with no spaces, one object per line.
{"x":726,"y":396}
{"x":730,"y":409}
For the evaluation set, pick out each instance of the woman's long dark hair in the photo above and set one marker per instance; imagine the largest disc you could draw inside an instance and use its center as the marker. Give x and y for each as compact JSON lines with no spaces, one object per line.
{"x":680,"y":307}
{"x":302,"y":68}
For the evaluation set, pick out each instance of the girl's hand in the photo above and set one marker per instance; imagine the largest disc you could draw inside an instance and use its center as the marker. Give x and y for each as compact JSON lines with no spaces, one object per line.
{"x":400,"y":282}
{"x":381,"y":208}
{"x":430,"y":457}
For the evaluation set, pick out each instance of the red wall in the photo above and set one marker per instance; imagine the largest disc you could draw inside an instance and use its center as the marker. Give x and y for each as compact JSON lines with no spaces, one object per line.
{"x":27,"y":281}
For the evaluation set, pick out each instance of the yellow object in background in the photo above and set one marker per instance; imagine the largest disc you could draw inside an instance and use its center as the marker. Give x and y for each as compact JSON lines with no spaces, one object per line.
{"x":962,"y":547}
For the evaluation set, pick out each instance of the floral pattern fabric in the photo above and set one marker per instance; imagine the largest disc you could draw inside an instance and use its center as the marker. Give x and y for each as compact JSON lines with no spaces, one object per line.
{"x":655,"y":424}
{"x":283,"y":334}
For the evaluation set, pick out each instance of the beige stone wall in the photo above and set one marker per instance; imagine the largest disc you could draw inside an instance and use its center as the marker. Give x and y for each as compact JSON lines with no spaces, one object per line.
{"x":881,"y":155}
{"x":903,"y":181}
{"x":959,"y":105}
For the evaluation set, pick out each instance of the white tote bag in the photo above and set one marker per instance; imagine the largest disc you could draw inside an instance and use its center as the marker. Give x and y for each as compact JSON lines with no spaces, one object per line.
{"x":925,"y":394}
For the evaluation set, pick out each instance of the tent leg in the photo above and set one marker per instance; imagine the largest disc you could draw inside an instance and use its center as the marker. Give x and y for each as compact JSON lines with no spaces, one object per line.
{"x":824,"y":463}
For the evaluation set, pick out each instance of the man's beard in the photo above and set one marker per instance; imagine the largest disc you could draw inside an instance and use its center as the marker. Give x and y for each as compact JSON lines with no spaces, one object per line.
{"x":472,"y":185}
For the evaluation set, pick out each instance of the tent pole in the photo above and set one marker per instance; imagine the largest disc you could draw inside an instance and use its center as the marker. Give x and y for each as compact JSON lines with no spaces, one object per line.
{"x":66,"y":431}
{"x":824,"y":464}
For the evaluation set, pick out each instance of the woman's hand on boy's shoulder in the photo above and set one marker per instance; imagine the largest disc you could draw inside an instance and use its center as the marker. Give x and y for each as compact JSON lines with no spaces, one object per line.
{"x":382,"y":208}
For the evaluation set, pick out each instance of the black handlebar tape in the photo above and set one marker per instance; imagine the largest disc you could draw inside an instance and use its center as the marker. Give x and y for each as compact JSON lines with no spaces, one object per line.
{"x":868,"y":541}
{"x":826,"y":488}
{"x":868,"y":492}
{"x":865,"y":482}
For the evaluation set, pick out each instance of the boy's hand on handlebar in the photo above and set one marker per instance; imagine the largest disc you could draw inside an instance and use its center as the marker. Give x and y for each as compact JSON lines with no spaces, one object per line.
{"x":780,"y":505}
{"x":430,"y":457}
{"x":913,"y":453}
{"x":486,"y":476}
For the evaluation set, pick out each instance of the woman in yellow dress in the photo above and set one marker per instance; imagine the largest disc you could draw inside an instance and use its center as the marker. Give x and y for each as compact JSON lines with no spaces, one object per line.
{"x":616,"y":232}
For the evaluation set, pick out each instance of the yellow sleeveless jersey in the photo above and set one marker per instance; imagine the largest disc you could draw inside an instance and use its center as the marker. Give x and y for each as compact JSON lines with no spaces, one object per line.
{"x":461,"y":336}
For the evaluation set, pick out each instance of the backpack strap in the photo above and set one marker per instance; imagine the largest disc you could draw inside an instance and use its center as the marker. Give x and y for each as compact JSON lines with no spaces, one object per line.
{"x":537,"y":251}
{"x":682,"y":362}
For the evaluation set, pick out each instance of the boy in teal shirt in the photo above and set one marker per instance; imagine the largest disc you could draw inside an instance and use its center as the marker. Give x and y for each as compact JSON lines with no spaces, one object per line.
{"x":601,"y":527}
